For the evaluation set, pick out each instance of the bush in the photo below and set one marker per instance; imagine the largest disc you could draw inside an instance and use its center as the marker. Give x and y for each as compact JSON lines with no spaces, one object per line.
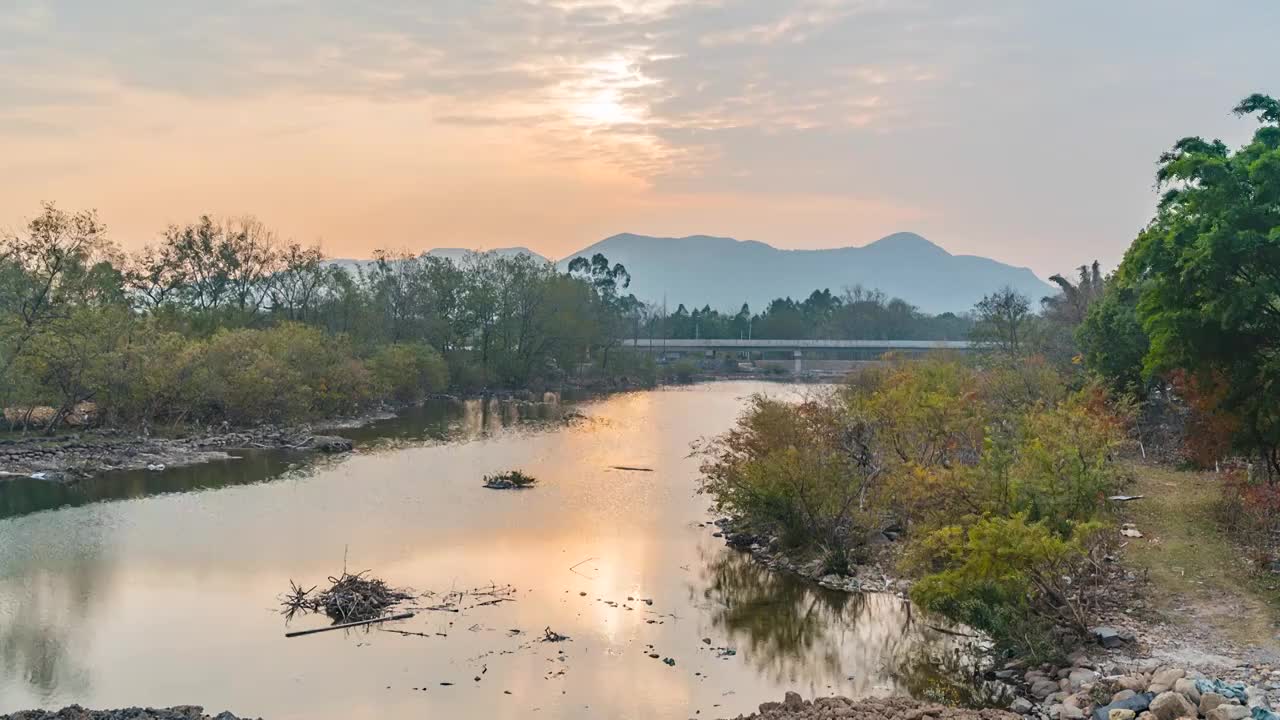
{"x":683,"y":370}
{"x":407,"y":372}
{"x":1015,"y":580}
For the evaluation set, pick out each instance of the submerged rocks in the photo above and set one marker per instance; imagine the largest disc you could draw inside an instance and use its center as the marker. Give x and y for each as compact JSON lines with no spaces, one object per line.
{"x":894,"y":708}
{"x":327,"y":444}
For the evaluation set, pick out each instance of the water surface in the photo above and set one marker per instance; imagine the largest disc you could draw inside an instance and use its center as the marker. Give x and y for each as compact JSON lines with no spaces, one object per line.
{"x":161,"y":588}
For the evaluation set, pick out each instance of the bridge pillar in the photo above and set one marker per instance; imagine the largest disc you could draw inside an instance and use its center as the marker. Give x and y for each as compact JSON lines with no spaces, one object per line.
{"x":798,"y":360}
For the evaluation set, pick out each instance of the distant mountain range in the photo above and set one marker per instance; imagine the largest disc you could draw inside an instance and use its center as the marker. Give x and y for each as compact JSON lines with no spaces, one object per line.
{"x":725,"y":273}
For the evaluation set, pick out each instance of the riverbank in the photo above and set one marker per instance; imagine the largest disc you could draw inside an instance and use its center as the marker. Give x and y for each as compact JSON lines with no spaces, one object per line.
{"x":75,"y":712}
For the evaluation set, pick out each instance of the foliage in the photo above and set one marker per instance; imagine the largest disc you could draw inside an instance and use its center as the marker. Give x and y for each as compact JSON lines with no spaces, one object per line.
{"x":1001,"y":321}
{"x":511,"y":479}
{"x":1112,"y":341}
{"x":1207,"y":273}
{"x":408,"y":372}
{"x":223,"y":321}
{"x":793,"y":469}
{"x":1014,"y":579}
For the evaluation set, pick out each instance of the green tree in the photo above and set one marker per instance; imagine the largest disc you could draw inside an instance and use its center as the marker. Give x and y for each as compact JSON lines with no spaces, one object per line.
{"x":1003,"y":320}
{"x":1207,"y":272}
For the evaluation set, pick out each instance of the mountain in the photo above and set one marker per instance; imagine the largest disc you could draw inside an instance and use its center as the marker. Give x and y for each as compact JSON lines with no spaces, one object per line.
{"x":724,"y":273}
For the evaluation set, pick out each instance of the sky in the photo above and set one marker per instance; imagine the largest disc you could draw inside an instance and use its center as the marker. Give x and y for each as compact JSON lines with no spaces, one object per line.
{"x":1026,"y":131}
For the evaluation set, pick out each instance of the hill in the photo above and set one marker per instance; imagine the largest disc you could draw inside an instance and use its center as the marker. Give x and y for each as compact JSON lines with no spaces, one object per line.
{"x":724,"y":273}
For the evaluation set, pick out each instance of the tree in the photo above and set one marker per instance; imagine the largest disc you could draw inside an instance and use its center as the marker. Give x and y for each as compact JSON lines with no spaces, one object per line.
{"x":1002,"y":320}
{"x":1112,"y":340}
{"x":1070,"y":305}
{"x":1207,"y":273}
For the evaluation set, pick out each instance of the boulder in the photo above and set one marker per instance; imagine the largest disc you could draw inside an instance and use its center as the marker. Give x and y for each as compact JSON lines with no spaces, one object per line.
{"x":1022,"y":706}
{"x":1168,"y":677}
{"x":1123,"y":695}
{"x":1121,"y":714}
{"x":1081,"y":677}
{"x":792,"y":701}
{"x":1228,"y":712}
{"x":1157,"y":688}
{"x":1132,"y":682}
{"x":1138,"y":703}
{"x":1043,"y":688}
{"x":1187,"y":687}
{"x":1209,"y":701}
{"x":1171,"y":706}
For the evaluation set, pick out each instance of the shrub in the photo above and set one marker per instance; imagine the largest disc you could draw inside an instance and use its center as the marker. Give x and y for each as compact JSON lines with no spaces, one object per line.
{"x":407,"y":372}
{"x":1013,"y":579}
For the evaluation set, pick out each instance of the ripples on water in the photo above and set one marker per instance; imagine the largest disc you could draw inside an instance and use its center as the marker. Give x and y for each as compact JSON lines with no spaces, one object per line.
{"x":160,"y":588}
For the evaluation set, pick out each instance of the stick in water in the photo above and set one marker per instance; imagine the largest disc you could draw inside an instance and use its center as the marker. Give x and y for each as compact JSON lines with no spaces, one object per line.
{"x":339,"y":626}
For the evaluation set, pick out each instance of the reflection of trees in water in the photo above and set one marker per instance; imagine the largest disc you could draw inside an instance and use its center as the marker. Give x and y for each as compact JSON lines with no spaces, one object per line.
{"x":45,"y":598}
{"x":866,"y":643}
{"x":23,"y":496}
{"x":949,"y":675}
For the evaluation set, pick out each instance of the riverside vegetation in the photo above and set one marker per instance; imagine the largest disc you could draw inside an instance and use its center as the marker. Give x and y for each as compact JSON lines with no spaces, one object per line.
{"x":997,"y":469}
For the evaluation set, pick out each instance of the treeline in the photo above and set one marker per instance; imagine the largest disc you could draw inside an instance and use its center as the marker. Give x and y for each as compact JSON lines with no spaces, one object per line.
{"x":854,"y":314}
{"x":222,"y":321}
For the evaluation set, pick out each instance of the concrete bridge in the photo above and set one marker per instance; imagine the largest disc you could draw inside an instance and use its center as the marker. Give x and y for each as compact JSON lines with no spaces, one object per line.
{"x":796,"y":350}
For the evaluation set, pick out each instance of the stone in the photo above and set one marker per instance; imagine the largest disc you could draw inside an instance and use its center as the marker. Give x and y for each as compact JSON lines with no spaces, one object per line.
{"x":1187,"y":687}
{"x":1257,"y":698}
{"x":1168,"y":677}
{"x":1228,"y":712}
{"x":1081,"y":677}
{"x":1121,"y":714}
{"x":1211,"y":700}
{"x":1107,"y":637}
{"x":1043,"y":688}
{"x":1123,"y":695}
{"x":1022,"y":706}
{"x":792,"y":701}
{"x":328,"y":443}
{"x":1156,"y":688}
{"x":1138,"y":703}
{"x":1070,"y":712}
{"x":1171,"y":706}
{"x":1131,"y":682}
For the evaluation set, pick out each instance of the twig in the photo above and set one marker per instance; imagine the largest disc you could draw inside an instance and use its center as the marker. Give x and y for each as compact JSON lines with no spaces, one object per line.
{"x":312,"y":631}
{"x":574,"y":568}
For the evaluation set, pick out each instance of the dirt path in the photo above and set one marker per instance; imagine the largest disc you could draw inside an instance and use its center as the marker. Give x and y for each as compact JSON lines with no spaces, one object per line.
{"x":1204,"y":593}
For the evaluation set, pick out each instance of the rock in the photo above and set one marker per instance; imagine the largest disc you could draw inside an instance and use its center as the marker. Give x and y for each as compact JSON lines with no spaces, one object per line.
{"x":1043,"y":688}
{"x":1171,"y":706}
{"x":1132,"y":682}
{"x":1121,"y":714}
{"x":1156,"y":688}
{"x":1107,"y":637}
{"x":1123,"y":695}
{"x":1187,"y":687}
{"x":1022,"y":706}
{"x":1228,"y":712}
{"x":1081,"y":677}
{"x":1168,"y":677}
{"x":792,"y":701}
{"x":328,"y":443}
{"x":1070,"y":712}
{"x":1137,"y":703}
{"x":1005,"y":674}
{"x":1209,"y":701}
{"x":1257,"y":698}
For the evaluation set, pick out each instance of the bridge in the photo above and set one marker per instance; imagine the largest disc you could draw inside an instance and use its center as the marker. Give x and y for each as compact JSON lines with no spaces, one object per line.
{"x":797,"y":350}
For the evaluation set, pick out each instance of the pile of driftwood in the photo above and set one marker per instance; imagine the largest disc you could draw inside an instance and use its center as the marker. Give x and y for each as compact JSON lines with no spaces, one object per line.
{"x":350,"y":598}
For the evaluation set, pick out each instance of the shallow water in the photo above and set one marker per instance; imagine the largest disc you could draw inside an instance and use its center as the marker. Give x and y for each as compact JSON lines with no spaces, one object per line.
{"x":161,"y":588}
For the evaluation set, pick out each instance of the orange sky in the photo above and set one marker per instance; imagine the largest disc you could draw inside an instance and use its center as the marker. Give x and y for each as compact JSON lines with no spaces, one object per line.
{"x":1026,"y":132}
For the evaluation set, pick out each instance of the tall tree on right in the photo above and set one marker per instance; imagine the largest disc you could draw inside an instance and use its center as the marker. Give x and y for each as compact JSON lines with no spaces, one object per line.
{"x":1207,"y":273}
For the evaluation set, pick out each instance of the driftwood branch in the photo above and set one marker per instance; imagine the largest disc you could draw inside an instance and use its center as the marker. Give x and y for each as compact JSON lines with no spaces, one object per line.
{"x":339,"y":626}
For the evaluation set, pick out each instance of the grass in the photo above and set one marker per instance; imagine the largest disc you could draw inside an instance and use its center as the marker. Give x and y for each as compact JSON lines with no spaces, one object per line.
{"x":1197,"y":572}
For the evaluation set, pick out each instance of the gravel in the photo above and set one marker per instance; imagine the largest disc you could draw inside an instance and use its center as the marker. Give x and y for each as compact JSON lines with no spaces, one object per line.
{"x":75,"y":712}
{"x":795,"y":708}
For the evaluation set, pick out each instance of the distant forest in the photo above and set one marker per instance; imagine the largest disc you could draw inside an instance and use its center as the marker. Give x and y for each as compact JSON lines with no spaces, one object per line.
{"x":855,"y":314}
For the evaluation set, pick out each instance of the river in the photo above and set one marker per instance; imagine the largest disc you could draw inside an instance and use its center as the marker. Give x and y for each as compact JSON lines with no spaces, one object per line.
{"x":160,"y":588}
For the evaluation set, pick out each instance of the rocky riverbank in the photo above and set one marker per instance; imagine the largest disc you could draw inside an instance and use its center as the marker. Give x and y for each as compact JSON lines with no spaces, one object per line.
{"x":894,"y":708}
{"x":69,"y":458}
{"x":75,"y":712}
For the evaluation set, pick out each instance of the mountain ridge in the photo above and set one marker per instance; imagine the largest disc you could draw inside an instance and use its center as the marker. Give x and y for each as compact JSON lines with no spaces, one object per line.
{"x":902,"y":264}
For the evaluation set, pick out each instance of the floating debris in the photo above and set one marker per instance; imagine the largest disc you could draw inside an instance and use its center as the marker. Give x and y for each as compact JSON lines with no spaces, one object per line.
{"x":510,"y":480}
{"x":549,"y":635}
{"x":350,"y":598}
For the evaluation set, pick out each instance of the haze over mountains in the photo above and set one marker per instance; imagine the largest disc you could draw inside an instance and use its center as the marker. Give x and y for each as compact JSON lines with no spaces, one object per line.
{"x":724,"y":273}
